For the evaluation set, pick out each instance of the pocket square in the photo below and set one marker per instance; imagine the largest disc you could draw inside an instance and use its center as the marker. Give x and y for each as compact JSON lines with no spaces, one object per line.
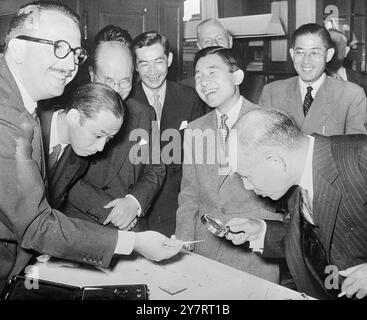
{"x":183,"y":125}
{"x":142,"y":142}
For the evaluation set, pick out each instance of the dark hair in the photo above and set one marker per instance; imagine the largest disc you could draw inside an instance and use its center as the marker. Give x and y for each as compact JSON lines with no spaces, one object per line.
{"x":113,"y":33}
{"x":149,"y":38}
{"x":33,"y":10}
{"x":91,"y":98}
{"x":313,"y":28}
{"x":227,"y":56}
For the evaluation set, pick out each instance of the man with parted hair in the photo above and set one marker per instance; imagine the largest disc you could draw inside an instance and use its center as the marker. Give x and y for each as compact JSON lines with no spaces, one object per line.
{"x":317,"y":102}
{"x":175,"y":106}
{"x":211,"y":32}
{"x":324,"y":235}
{"x":116,"y":188}
{"x":82,"y":128}
{"x":207,"y":185}
{"x":42,"y":55}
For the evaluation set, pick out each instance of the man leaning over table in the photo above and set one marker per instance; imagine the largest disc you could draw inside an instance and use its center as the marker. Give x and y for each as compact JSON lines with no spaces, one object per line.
{"x":41,"y":56}
{"x":324,"y":235}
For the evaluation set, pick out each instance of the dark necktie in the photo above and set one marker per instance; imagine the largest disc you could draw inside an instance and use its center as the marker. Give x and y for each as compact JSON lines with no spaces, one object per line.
{"x":314,"y":253}
{"x":308,"y":100}
{"x":223,"y":132}
{"x":52,"y":158}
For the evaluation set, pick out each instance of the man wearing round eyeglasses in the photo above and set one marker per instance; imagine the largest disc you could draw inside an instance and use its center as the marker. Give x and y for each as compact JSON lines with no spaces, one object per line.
{"x":316,"y":102}
{"x":30,"y":71}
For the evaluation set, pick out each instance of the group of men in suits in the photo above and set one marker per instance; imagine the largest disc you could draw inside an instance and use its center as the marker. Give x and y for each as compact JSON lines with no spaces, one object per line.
{"x":42,"y":55}
{"x":115,"y":188}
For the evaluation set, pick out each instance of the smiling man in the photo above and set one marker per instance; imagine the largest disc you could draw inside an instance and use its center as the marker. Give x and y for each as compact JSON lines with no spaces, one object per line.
{"x":175,"y":106}
{"x":42,"y":55}
{"x":207,"y":185}
{"x":324,"y":235}
{"x":317,"y":102}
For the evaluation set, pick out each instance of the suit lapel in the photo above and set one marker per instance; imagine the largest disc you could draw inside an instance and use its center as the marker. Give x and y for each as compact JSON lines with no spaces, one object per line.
{"x":326,"y":196}
{"x":67,"y":168}
{"x":295,"y":101}
{"x":172,"y":112}
{"x":246,"y":106}
{"x":118,"y":158}
{"x":321,"y":107}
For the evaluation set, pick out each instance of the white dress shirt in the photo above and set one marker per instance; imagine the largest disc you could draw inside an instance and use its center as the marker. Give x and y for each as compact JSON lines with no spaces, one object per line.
{"x":315,"y":86}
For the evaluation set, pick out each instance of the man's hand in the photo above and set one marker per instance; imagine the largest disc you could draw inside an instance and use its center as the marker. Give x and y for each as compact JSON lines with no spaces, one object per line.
{"x":155,"y":246}
{"x":23,"y":150}
{"x":356,"y":281}
{"x":250,"y":230}
{"x":123,"y":213}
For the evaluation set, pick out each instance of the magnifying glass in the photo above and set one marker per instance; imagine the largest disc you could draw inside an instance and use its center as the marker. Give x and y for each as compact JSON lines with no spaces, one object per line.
{"x":215,"y":225}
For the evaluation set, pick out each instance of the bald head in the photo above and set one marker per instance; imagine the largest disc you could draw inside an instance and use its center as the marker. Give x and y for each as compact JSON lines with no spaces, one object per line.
{"x":113,"y":65}
{"x":260,"y":128}
{"x":211,"y":32}
{"x":268,"y":151}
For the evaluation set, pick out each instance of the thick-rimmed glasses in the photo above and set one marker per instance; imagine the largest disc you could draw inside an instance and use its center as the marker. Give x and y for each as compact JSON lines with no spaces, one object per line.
{"x":62,"y":48}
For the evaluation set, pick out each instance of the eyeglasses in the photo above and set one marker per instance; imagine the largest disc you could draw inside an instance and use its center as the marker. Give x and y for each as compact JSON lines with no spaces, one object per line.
{"x":62,"y":48}
{"x":123,"y":83}
{"x":313,"y":53}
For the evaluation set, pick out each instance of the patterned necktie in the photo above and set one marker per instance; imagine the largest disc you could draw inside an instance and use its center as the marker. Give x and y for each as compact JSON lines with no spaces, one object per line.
{"x":157,"y":107}
{"x":308,"y":100}
{"x":52,"y":158}
{"x":223,"y":132}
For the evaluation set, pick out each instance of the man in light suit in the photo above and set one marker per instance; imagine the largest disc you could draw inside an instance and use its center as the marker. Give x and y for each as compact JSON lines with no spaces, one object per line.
{"x":317,"y":102}
{"x":177,"y":105}
{"x":207,"y":186}
{"x":68,"y":145}
{"x":325,"y":234}
{"x":114,"y":179}
{"x":42,"y":55}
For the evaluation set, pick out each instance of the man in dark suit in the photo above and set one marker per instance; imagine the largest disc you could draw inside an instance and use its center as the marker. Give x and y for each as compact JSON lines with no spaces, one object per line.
{"x":316,"y":102}
{"x":337,"y":66}
{"x":42,"y":55}
{"x":118,"y":178}
{"x":175,"y":106}
{"x":325,"y":234}
{"x":67,"y":145}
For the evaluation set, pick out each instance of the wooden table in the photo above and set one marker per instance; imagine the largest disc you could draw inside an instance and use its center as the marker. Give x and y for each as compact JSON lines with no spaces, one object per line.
{"x":201,"y":278}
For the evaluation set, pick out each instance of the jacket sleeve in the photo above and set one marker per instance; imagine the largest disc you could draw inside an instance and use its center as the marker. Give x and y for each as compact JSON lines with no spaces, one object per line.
{"x":188,"y":198}
{"x":24,"y":208}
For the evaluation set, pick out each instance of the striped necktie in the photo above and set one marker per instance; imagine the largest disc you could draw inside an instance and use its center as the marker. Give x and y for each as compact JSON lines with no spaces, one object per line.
{"x":223,"y":132}
{"x":52,"y":158}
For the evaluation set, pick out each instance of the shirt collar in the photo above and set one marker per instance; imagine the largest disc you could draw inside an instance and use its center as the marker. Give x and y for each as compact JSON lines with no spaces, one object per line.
{"x":232,"y":114}
{"x":28,"y":102}
{"x":54,"y":135}
{"x":315,"y":86}
{"x":306,"y":179}
{"x":149,"y":93}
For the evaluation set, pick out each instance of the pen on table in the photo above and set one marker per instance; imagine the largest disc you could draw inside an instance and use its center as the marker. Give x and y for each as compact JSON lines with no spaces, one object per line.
{"x":323,"y":130}
{"x":341,"y":294}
